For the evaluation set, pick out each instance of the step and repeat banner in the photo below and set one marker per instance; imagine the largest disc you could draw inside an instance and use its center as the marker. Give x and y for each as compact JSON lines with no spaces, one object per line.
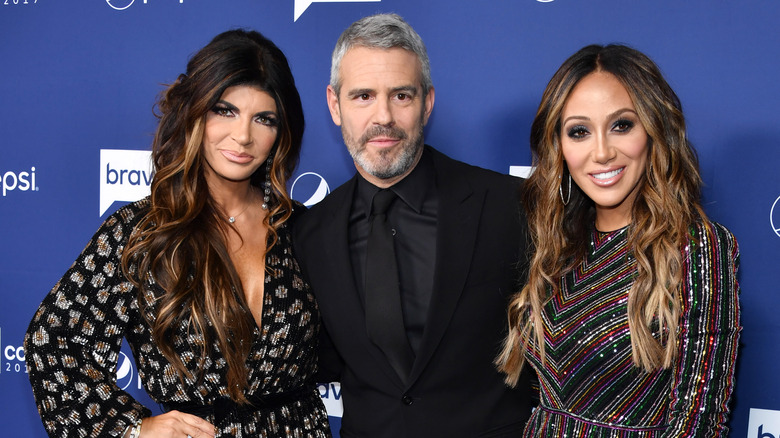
{"x":78,"y":80}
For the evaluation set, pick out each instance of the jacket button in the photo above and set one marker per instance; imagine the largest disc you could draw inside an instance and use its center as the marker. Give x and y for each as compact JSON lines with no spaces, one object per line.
{"x":407,"y":400}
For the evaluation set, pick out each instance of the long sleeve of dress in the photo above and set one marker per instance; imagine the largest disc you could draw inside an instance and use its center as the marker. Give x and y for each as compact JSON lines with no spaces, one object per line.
{"x":704,"y":374}
{"x":73,"y":342}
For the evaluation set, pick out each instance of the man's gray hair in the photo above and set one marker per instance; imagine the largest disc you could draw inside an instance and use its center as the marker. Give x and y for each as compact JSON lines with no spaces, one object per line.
{"x":381,"y":31}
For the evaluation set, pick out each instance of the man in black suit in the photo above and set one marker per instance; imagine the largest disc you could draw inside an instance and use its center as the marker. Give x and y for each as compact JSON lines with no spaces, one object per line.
{"x":412,"y":337}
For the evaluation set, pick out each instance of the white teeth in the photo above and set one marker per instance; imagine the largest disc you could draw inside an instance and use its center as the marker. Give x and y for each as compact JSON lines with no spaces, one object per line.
{"x":607,"y":175}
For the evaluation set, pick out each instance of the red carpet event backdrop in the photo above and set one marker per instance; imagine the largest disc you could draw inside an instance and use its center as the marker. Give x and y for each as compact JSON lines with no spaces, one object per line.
{"x":79,"y":79}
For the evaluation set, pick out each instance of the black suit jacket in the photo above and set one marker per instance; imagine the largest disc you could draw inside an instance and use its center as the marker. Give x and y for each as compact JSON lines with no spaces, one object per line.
{"x":454,"y":389}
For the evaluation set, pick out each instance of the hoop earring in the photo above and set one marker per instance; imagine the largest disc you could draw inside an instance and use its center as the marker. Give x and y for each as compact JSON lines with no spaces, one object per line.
{"x":267,"y":183}
{"x":560,"y":190}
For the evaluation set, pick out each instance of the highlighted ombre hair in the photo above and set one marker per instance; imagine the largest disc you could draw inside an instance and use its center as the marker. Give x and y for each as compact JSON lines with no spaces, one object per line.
{"x":666,"y":205}
{"x":180,"y":245}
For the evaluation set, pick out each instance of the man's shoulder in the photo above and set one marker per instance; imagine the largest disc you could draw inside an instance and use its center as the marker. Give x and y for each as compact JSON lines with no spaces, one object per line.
{"x":338,"y":199}
{"x":450,"y":166}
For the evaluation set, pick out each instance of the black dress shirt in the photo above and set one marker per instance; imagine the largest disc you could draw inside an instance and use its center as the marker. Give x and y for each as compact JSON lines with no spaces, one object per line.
{"x":413,"y":218}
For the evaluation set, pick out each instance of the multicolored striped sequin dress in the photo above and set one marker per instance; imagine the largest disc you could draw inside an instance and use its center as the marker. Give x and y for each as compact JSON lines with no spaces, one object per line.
{"x":589,"y":386}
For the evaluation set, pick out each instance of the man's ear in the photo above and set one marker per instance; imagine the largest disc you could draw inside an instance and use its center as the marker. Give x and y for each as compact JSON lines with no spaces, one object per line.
{"x":333,"y":105}
{"x":429,"y":98}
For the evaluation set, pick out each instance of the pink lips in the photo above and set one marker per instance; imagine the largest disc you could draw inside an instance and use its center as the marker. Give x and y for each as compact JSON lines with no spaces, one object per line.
{"x":607,"y":177}
{"x":236,"y":157}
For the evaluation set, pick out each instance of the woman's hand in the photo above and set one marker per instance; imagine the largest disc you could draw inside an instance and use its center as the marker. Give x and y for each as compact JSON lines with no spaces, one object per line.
{"x":175,"y":424}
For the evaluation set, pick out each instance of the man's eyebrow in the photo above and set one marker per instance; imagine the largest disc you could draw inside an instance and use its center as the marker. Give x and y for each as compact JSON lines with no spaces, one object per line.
{"x":359,"y":91}
{"x":411,"y":89}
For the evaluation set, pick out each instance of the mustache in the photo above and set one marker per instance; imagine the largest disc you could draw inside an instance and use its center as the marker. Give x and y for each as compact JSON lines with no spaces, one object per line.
{"x":382,"y":131}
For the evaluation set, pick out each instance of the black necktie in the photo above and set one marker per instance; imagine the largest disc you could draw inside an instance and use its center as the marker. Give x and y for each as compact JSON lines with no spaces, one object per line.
{"x":384,"y":318}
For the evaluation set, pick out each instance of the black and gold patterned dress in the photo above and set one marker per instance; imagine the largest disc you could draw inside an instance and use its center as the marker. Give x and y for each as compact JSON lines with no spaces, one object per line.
{"x":74,"y":340}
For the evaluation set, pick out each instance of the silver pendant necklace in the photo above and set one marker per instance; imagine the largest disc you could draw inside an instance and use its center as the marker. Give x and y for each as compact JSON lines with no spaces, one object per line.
{"x":232,"y":219}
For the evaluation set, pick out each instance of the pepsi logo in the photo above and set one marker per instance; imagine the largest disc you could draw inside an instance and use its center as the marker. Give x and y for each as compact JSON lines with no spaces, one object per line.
{"x":120,"y":5}
{"x":309,"y":188}
{"x":124,"y":371}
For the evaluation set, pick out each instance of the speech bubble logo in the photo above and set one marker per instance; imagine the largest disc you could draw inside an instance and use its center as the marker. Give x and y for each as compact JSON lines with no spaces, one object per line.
{"x":125,"y":175}
{"x":302,"y":5}
{"x":310,"y":186}
{"x":521,"y":171}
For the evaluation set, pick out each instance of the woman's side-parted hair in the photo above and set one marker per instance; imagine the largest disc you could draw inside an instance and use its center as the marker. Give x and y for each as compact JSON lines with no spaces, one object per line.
{"x":180,"y":245}
{"x":666,"y":206}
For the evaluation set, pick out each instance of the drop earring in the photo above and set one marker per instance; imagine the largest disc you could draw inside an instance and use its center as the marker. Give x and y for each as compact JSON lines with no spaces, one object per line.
{"x":560,"y":190}
{"x":267,"y":184}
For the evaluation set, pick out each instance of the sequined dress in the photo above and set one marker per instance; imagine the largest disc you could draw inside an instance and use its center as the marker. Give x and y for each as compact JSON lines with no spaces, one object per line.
{"x":73,"y":343}
{"x":589,"y":386}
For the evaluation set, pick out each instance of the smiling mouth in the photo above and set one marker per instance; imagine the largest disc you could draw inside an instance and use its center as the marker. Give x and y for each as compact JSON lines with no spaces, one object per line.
{"x":607,"y":175}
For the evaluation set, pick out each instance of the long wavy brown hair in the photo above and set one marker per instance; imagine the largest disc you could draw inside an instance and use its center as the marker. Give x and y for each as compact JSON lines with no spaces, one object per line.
{"x":181,"y":244}
{"x":667,"y":204}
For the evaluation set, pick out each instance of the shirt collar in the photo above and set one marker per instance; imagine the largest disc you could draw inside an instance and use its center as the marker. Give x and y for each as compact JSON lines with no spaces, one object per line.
{"x":412,"y":189}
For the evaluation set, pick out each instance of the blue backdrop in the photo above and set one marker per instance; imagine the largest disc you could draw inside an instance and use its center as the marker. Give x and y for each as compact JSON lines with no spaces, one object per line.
{"x":78,"y":80}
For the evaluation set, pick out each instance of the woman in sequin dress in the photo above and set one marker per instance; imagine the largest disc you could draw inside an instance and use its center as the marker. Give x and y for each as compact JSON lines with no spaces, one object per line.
{"x":630,"y":315}
{"x":199,"y":277}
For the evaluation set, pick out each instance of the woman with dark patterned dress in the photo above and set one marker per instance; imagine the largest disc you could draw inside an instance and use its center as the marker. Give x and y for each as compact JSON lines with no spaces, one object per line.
{"x":630,"y":316}
{"x":199,"y":277}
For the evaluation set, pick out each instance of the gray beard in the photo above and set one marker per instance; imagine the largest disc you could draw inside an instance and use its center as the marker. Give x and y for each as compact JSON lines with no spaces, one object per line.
{"x":385,"y":167}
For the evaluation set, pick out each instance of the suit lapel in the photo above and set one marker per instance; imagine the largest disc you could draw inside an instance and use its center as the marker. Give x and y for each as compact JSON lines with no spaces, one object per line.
{"x":460,"y":210}
{"x":333,"y":246}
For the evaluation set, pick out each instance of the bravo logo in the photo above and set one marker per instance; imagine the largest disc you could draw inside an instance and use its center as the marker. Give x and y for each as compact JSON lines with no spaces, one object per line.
{"x":125,"y":175}
{"x":24,"y":181}
{"x":302,"y":5}
{"x":331,"y":398}
{"x":764,"y":423}
{"x":309,"y":188}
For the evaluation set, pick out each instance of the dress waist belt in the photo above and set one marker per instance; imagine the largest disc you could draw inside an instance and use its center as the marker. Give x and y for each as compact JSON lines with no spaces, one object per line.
{"x":225,"y":407}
